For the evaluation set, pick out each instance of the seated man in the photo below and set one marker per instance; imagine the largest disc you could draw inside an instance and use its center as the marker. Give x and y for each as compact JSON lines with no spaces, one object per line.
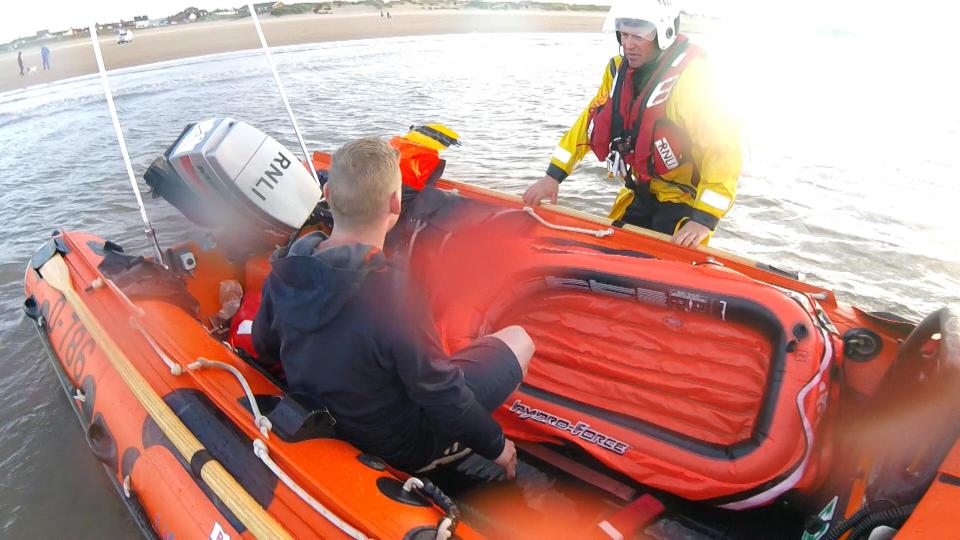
{"x":352,"y":334}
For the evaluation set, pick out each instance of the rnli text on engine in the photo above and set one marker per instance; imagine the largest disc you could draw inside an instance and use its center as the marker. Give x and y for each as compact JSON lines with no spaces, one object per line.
{"x":270,"y":176}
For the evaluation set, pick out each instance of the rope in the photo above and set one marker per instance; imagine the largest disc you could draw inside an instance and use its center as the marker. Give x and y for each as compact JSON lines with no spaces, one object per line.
{"x":260,"y":449}
{"x":444,"y":530}
{"x":175,"y":369}
{"x":94,"y":285}
{"x":448,"y":523}
{"x":259,"y":420}
{"x":281,"y":91}
{"x":148,"y":228}
{"x":600,"y":233}
{"x":421,"y":225}
{"x":411,"y":483}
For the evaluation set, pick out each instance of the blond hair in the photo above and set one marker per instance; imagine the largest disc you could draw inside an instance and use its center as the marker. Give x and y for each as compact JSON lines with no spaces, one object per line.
{"x":363,"y":175}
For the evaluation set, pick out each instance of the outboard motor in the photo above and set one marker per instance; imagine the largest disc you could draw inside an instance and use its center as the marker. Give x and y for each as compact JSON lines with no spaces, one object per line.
{"x":228,"y":175}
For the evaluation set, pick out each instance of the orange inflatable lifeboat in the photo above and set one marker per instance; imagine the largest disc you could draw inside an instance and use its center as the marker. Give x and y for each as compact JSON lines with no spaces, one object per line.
{"x":667,"y":381}
{"x":691,"y":378}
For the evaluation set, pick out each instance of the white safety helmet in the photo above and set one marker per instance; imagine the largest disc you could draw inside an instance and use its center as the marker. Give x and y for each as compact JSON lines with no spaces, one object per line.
{"x":643,"y":18}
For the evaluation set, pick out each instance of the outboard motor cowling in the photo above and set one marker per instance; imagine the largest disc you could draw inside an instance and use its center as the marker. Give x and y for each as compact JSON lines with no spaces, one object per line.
{"x":226,"y":174}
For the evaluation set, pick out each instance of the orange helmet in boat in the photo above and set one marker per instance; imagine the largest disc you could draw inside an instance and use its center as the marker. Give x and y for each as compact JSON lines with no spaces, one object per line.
{"x":420,"y":152}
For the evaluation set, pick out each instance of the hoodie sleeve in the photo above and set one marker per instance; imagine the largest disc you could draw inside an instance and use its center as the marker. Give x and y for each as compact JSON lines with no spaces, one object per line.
{"x":438,"y":387}
{"x":265,"y":338}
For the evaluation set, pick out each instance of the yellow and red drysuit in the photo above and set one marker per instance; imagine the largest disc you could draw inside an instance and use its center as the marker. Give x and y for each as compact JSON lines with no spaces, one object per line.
{"x":678,"y":144}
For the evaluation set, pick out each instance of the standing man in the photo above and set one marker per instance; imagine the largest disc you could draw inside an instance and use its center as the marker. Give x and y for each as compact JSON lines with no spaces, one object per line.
{"x":656,"y":123}
{"x":351,"y":333}
{"x":20,"y":61}
{"x":45,"y":57}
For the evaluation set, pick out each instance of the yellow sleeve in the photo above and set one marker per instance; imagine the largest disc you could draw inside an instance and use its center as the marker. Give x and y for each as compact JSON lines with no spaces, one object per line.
{"x":714,"y":133}
{"x":575,"y":143}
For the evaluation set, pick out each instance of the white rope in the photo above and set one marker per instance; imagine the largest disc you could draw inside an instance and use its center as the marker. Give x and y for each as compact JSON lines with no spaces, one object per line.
{"x":259,"y":420}
{"x":260,"y":449}
{"x":126,"y":299}
{"x":175,"y":369}
{"x":445,"y":527}
{"x":148,"y":228}
{"x":126,"y":486}
{"x":280,"y":90}
{"x":443,"y":530}
{"x":600,"y":233}
{"x":790,"y":481}
{"x":421,"y":225}
{"x":411,"y":483}
{"x":80,"y":396}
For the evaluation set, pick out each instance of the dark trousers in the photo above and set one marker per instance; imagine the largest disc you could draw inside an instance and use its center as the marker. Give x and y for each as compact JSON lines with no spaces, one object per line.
{"x":647,"y":212}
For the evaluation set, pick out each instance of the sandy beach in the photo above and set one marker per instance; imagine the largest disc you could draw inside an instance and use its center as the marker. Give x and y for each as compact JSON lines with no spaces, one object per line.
{"x":75,"y":57}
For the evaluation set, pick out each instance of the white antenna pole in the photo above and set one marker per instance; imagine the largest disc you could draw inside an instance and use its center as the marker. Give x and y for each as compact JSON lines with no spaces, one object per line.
{"x":283,"y":94}
{"x":148,"y":230}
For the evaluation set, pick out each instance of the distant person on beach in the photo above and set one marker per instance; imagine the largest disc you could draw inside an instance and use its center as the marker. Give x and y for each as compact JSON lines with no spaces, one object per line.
{"x":45,"y":57}
{"x":351,"y":333}
{"x":388,"y":15}
{"x":657,"y":124}
{"x":20,"y":61}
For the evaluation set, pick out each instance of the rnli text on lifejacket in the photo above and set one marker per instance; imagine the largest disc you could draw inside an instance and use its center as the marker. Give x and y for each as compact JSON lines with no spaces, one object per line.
{"x":270,"y":176}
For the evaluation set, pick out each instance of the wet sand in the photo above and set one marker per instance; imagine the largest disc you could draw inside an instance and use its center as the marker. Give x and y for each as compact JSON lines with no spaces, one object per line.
{"x":75,"y":57}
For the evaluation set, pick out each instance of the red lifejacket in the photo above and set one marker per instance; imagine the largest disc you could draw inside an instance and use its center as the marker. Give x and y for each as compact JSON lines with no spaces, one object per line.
{"x":637,"y":126}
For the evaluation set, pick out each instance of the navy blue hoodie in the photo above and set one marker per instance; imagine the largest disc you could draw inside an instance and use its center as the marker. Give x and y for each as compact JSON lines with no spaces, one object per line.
{"x":351,"y":333}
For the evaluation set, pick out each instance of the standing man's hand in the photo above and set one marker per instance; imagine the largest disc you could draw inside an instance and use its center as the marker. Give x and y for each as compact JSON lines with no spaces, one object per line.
{"x":508,"y":459}
{"x":691,"y":234}
{"x":544,"y":188}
